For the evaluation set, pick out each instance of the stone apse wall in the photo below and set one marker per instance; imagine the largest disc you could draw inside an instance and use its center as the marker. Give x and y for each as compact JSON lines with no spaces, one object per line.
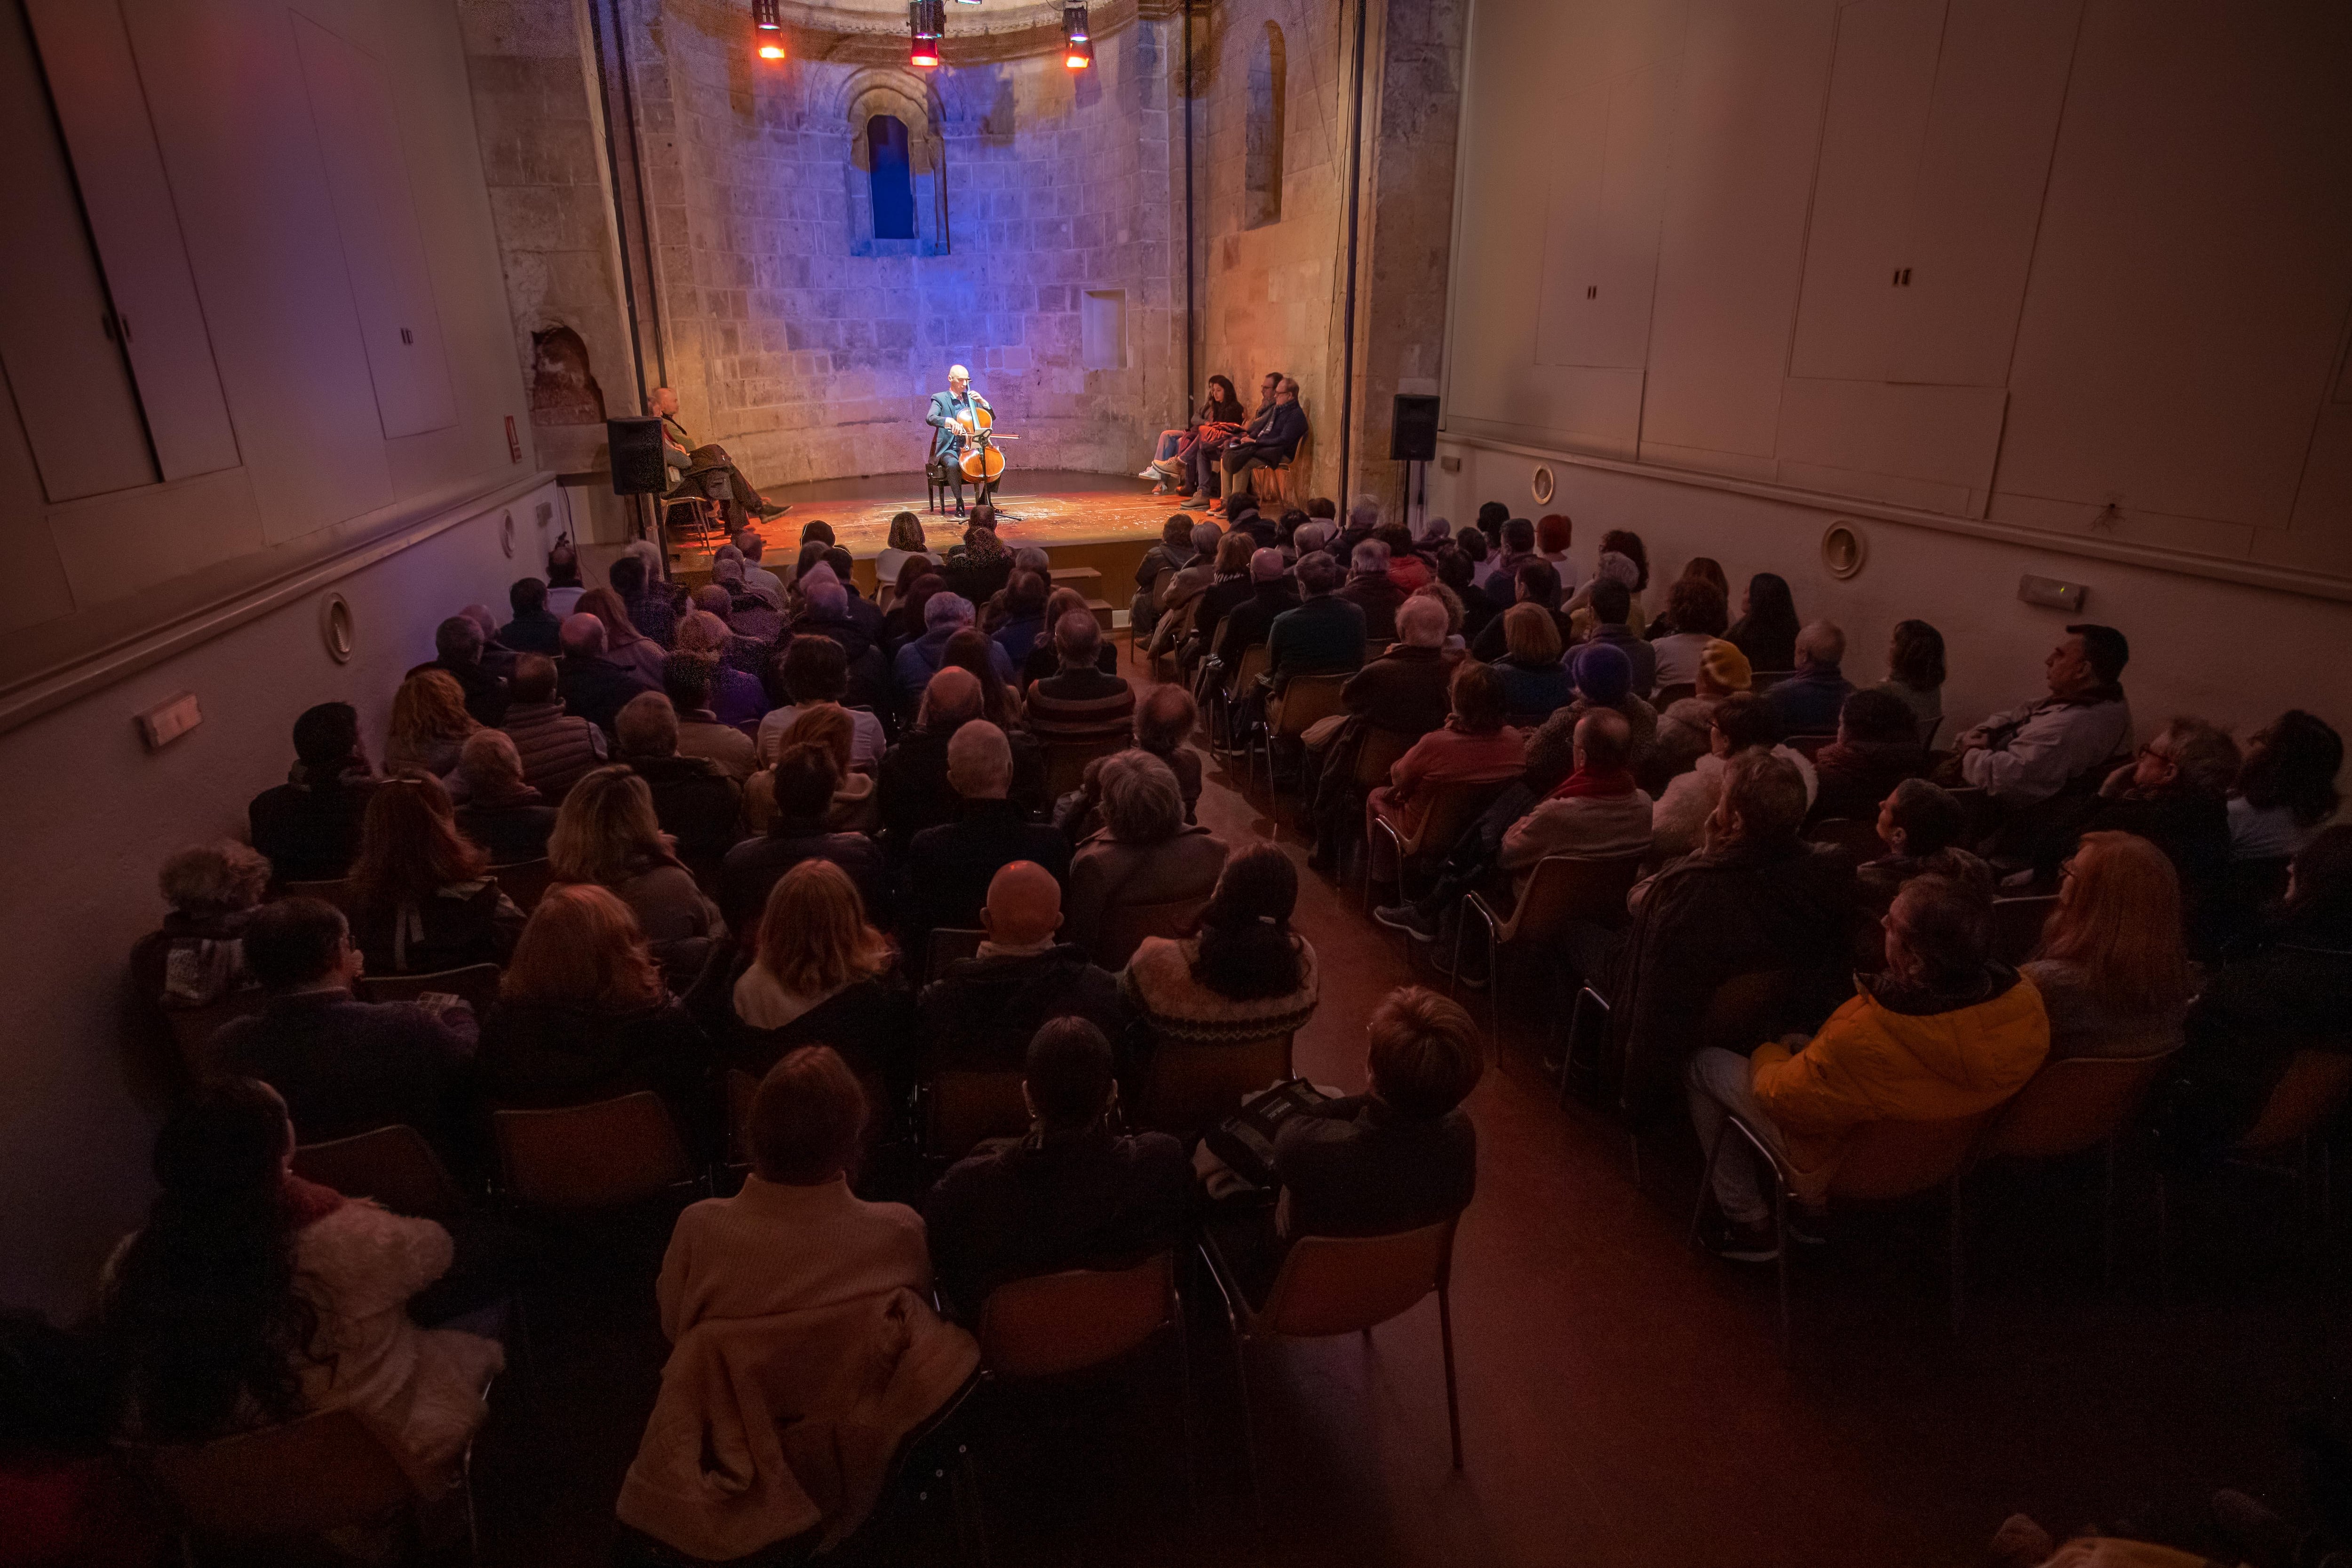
{"x":809,"y":348}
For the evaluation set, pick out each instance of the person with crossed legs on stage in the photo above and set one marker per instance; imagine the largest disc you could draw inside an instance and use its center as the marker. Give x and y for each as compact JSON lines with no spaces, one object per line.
{"x":681,"y":451}
{"x":957,"y":403}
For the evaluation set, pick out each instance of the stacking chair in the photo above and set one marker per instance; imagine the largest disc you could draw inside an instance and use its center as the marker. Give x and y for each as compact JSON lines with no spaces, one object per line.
{"x":476,"y":983}
{"x":2312,"y":1090}
{"x":963,"y":1106}
{"x":1856,"y":841}
{"x":1561,"y":891}
{"x":1337,"y":1285}
{"x":597,"y":1156}
{"x":1452,"y":807}
{"x":1186,"y":1088}
{"x":1125,"y":926}
{"x":526,"y":880}
{"x":2071,"y":1105}
{"x":2017,"y":925}
{"x":1809,"y":746}
{"x":192,"y":1027}
{"x":1229,"y":695}
{"x":1306,"y":700}
{"x":395,"y":1165}
{"x":1065,"y":761}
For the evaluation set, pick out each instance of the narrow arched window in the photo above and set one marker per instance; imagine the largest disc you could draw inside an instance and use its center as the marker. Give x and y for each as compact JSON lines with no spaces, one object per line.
{"x":1261,"y":153}
{"x":893,"y":176}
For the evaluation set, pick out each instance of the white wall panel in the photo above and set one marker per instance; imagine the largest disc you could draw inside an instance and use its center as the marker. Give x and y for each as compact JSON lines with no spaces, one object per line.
{"x":1929,"y":447}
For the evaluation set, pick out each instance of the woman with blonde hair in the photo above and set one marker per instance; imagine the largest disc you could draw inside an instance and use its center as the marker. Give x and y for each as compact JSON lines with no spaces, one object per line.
{"x":429,"y":725}
{"x":584,"y":1014}
{"x":421,"y":896}
{"x":2113,"y":968}
{"x":198,"y":956}
{"x":826,"y":724}
{"x":624,"y":644}
{"x":606,"y":834}
{"x":736,"y":695}
{"x":820,"y":972}
{"x":1534,"y":683}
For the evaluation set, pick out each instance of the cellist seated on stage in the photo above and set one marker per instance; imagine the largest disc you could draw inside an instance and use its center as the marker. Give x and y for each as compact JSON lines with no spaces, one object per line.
{"x":951,"y":418}
{"x":681,"y":451}
{"x":1271,"y":440}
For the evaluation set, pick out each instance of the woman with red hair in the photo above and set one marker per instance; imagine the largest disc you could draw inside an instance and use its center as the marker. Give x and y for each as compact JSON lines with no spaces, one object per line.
{"x":2112,"y":968}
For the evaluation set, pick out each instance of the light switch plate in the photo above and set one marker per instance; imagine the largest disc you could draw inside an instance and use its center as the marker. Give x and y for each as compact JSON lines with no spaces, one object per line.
{"x":2057,"y":596}
{"x":169,"y":719}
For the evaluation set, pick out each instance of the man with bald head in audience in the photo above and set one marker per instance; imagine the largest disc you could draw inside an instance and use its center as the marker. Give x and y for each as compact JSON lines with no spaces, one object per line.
{"x":1405,"y":689}
{"x":980,"y":1013}
{"x":558,"y":748}
{"x":912,"y":784}
{"x":1809,"y":702}
{"x":949,"y":865}
{"x":592,"y":687}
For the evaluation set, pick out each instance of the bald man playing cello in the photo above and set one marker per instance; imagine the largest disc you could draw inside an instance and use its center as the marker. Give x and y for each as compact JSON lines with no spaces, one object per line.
{"x":949,"y":416}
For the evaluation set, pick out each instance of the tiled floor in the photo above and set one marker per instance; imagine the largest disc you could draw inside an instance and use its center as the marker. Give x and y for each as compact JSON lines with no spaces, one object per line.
{"x":1622,"y":1397}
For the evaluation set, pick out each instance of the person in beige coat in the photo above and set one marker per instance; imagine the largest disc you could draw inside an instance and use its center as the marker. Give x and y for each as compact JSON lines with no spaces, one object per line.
{"x":1143,"y":854}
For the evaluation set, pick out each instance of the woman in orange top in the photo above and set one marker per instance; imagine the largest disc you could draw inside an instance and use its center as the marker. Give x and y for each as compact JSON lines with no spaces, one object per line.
{"x":1473,"y":747}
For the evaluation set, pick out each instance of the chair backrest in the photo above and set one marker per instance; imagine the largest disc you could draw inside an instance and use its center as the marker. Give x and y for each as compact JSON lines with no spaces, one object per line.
{"x":1256,"y":660}
{"x":1124,"y":927}
{"x":590,"y":1156}
{"x":1564,"y":888}
{"x":1065,"y":761}
{"x":305,"y":1478}
{"x":1452,"y":808}
{"x":1759,"y":681}
{"x":1337,"y":1285}
{"x":2314,"y":1086}
{"x":966,"y":1107}
{"x":948,"y":944}
{"x":1669,"y":695}
{"x":1308,"y":699}
{"x":1857,"y":841}
{"x":1081,"y":1318}
{"x":2070,"y":1105}
{"x":740,"y":1087}
{"x":1187,"y":1087}
{"x":2017,"y":926}
{"x":1744,"y":1009}
{"x":1379,"y":753}
{"x":1808,"y":746}
{"x":526,"y":880}
{"x":1887,"y":1160}
{"x":395,"y":1165}
{"x":192,"y":1027}
{"x":476,"y":983}
{"x":338,"y":892}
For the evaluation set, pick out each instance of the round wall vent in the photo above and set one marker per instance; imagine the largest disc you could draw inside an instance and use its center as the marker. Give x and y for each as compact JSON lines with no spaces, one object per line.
{"x":1844,"y":548}
{"x":506,"y":533}
{"x":337,"y":627}
{"x":1543,"y":484}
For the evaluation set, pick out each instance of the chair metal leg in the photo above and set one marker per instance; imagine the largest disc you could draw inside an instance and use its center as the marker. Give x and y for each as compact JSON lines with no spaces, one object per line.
{"x":1249,"y":1428}
{"x":1781,"y":1262}
{"x":1959,"y":1260}
{"x":1184,"y":1407}
{"x":1706,"y":1180}
{"x":1461,"y":928}
{"x":1495,"y":989}
{"x":1453,"y":1394}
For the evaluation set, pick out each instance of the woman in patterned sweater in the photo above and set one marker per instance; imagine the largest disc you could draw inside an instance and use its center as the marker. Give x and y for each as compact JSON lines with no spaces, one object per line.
{"x":1243,"y":976}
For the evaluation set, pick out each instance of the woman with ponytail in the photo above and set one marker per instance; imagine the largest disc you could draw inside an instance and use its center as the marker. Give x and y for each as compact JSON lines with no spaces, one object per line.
{"x":1242,"y":975}
{"x":254,"y":1297}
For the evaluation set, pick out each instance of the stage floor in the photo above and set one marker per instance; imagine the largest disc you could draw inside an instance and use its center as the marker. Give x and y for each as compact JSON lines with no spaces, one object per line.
{"x":1047,"y":508}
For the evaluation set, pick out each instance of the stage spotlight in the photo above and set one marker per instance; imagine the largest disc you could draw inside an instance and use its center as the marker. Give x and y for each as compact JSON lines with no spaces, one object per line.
{"x":768,"y":29}
{"x":1077,"y":48}
{"x":926,"y":21}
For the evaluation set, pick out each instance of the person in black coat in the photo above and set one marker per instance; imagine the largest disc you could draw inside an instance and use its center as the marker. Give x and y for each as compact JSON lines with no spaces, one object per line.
{"x":694,"y":799}
{"x":805,"y":779}
{"x":309,"y":827}
{"x":981,"y":1013}
{"x":592,"y":687}
{"x":1071,"y":1195}
{"x":457,"y":650}
{"x":949,"y":867}
{"x":1271,"y":440}
{"x":2175,"y":794}
{"x":912,"y":785}
{"x":501,"y":813}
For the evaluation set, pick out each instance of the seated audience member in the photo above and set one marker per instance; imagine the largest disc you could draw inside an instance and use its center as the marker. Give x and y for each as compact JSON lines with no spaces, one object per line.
{"x":903,"y":622}
{"x":905,"y":544}
{"x":1535,"y":583}
{"x":944,"y":615}
{"x":1073,"y":1194}
{"x":815,"y":670}
{"x":1878,"y":747}
{"x":1765,"y":631}
{"x":1159,"y":562}
{"x":558,"y":749}
{"x":686,"y":682}
{"x":429,"y":725}
{"x":2028,"y":754}
{"x":564,"y":585}
{"x":1176,"y":591}
{"x":795,"y":1237}
{"x":2175,"y":793}
{"x":2285,"y":790}
{"x":1914,"y":672}
{"x":1474,"y":746}
{"x":1696,"y":612}
{"x":2111,"y":966}
{"x":736,"y":697}
{"x":457,"y":648}
{"x":496,"y":659}
{"x":820,"y":974}
{"x":1406,"y":689}
{"x":854,"y":807}
{"x":913,"y":780}
{"x":1244,"y":975}
{"x":505,"y":816}
{"x":749,"y":610}
{"x":2280,"y":989}
{"x":754,"y":547}
{"x":592,"y":687}
{"x":950,"y":866}
{"x":1000,"y":702}
{"x":826,"y":611}
{"x":1809,"y":702}
{"x":1164,"y":722}
{"x":1921,"y":825}
{"x":1408,"y":572}
{"x":1686,"y":730}
{"x":1554,"y":535}
{"x":625,"y":647}
{"x":1325,"y":635}
{"x":1613,"y":625}
{"x":535,"y":628}
{"x":977,"y":569}
{"x":1046,"y":659}
{"x":606,"y":834}
{"x":1514,"y":547}
{"x":197,"y":958}
{"x":1534,"y":683}
{"x":1755,"y":897}
{"x":343,"y":1065}
{"x":696,"y":801}
{"x":802,"y":786}
{"x":646,"y":599}
{"x":979,"y":1014}
{"x":1023,"y":616}
{"x":1250,"y":621}
{"x":1697,"y":569}
{"x":584,"y":1014}
{"x":1081,"y":703}
{"x":1401,"y":1157}
{"x":1458,"y":571}
{"x":1945,"y":1031}
{"x":1371,"y":591}
{"x":1230,"y":585}
{"x":1614,"y":566}
{"x":423,"y":899}
{"x":252,"y":1298}
{"x":1742,"y":723}
{"x":1604,"y":678}
{"x":1598,"y":813}
{"x":1143,"y":854}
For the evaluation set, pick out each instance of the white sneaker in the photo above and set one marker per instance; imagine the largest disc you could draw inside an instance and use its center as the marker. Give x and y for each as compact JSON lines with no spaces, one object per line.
{"x":1150,"y":471}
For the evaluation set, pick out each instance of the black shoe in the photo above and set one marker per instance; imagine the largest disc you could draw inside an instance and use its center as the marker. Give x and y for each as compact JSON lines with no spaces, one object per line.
{"x":1737,"y":1243}
{"x":1408,"y":919}
{"x":769,"y":508}
{"x":1442,"y":962}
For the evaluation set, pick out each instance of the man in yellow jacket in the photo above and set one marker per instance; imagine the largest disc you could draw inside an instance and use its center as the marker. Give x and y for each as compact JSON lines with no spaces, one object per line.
{"x":1944,"y":1032}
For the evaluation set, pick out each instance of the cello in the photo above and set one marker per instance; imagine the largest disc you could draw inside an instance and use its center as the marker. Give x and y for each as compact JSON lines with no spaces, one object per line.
{"x":983,"y":461}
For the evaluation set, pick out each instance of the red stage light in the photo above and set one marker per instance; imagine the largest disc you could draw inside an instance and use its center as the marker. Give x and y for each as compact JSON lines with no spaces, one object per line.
{"x":772,"y":51}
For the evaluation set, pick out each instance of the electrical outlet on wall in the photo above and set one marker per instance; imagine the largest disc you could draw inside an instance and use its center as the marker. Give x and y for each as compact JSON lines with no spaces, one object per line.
{"x":169,"y":719}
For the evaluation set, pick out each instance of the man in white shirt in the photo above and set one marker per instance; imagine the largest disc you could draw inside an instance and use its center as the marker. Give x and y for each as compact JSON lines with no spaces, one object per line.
{"x":2030,"y":753}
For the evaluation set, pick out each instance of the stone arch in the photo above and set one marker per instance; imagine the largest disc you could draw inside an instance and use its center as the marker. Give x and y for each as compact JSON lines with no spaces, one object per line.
{"x":1262,"y":143}
{"x":896,"y":94}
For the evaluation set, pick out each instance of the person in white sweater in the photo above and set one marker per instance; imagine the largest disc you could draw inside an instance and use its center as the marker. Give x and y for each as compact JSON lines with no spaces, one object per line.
{"x":1742,"y":723}
{"x":1597,"y":813}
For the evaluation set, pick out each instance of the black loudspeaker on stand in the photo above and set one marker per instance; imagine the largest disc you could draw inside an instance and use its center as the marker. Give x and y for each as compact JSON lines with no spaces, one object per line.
{"x":637,"y":448}
{"x":1412,"y":438}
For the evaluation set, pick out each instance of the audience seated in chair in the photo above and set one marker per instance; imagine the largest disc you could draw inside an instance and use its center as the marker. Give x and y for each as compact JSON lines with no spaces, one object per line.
{"x":197,"y":958}
{"x":422,"y":897}
{"x":2175,"y":794}
{"x":625,"y":647}
{"x":1604,"y":680}
{"x":814,"y":670}
{"x":913,"y":780}
{"x":1230,"y":585}
{"x":563,"y":587}
{"x":458,"y":644}
{"x":826,"y":612}
{"x":754,"y":546}
{"x":1914,"y":674}
{"x":735,"y":695}
{"x":1740,"y":723}
{"x":1371,"y":591}
{"x":429,"y":726}
{"x":1250,"y":621}
{"x":1325,"y":635}
{"x":584,"y":1014}
{"x":949,"y":867}
{"x":1536,"y":583}
{"x":821,"y":972}
{"x":646,"y":599}
{"x":1765,"y":631}
{"x":855,"y":807}
{"x":344,"y":1066}
{"x":592,"y":687}
{"x":2111,"y":966}
{"x":944,"y":615}
{"x":505,"y":816}
{"x":1878,"y":747}
{"x":1474,"y":746}
{"x":1687,"y":728}
{"x":1696,"y":612}
{"x":1020,"y":616}
{"x":1536,"y":684}
{"x":1615,"y":623}
{"x":803,"y":784}
{"x":999,"y":699}
{"x":1922,"y":827}
{"x":979,"y":1014}
{"x":695,"y":800}
{"x":2285,"y":790}
{"x":686,"y":682}
{"x":253,"y":1298}
{"x":1945,"y":1031}
{"x":1164,"y":722}
{"x":606,"y":834}
{"x":2028,"y":754}
{"x":558,"y":748}
{"x":1809,"y":702}
{"x":1597,"y":813}
{"x":1072,"y":1193}
{"x":1242,"y":975}
{"x":1081,"y":703}
{"x":1143,"y":854}
{"x":535,"y":628}
{"x":1407,"y":689}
